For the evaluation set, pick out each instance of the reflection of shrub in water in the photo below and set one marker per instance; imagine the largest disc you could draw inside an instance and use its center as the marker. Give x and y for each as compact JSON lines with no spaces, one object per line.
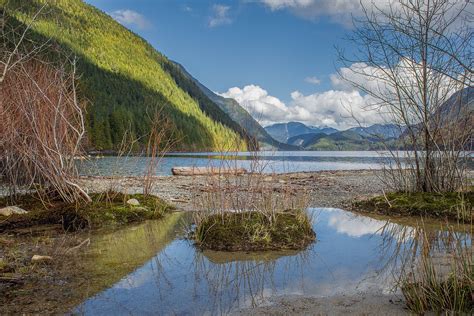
{"x":243,"y":279}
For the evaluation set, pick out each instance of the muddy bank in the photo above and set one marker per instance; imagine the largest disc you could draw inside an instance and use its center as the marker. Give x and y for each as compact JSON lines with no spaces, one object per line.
{"x":364,"y":303}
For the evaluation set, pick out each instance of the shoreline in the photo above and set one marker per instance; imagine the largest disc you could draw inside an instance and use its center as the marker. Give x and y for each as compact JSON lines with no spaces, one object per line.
{"x":335,"y":189}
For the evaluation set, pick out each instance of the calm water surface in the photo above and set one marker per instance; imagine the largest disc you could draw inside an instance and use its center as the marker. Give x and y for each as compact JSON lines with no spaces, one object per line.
{"x":279,"y":162}
{"x":352,"y":253}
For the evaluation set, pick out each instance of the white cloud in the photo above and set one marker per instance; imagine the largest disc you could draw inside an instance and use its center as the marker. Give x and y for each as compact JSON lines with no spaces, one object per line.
{"x":313,"y":80}
{"x":220,"y":15}
{"x":131,"y":18}
{"x":187,"y":8}
{"x":343,"y":106}
{"x":262,"y":106}
{"x":329,"y":108}
{"x":339,"y":11}
{"x":335,"y":108}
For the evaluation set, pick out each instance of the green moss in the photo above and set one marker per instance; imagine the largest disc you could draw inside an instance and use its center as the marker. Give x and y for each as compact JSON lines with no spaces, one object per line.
{"x":106,"y":209}
{"x":452,"y":205}
{"x":251,"y":231}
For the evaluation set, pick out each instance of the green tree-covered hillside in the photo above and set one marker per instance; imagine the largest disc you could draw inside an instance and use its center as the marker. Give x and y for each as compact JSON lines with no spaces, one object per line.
{"x":124,"y":79}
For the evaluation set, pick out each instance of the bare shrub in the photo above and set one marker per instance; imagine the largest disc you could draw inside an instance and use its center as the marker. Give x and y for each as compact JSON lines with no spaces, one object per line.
{"x":412,"y":56}
{"x":160,"y":141}
{"x":41,"y":118}
{"x":42,"y":126}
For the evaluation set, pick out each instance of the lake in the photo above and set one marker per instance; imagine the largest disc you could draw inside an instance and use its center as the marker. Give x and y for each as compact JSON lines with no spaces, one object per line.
{"x":269,"y":161}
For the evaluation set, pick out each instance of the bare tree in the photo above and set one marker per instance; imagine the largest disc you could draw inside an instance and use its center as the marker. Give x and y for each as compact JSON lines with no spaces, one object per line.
{"x":412,"y":56}
{"x":42,"y":120}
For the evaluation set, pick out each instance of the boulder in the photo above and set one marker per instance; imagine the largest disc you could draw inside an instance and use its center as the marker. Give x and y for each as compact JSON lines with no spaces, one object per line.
{"x":133,"y":202}
{"x":10,"y":210}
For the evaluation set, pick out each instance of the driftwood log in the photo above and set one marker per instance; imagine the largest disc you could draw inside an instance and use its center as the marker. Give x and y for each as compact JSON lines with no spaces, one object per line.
{"x":200,"y":171}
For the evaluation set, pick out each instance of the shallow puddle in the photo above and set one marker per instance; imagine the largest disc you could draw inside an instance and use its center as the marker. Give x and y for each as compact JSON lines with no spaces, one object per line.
{"x":352,"y":253}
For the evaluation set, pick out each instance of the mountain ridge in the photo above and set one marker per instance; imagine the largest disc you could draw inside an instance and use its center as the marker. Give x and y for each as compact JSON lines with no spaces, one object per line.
{"x":124,"y":79}
{"x":237,"y":113}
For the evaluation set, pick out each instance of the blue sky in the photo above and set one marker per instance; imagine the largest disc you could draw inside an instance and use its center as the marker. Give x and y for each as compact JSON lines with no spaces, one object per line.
{"x":275,"y":57}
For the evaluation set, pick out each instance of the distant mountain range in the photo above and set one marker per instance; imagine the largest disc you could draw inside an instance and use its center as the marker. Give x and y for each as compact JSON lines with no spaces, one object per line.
{"x":379,"y":131}
{"x":284,"y":131}
{"x":327,"y":138}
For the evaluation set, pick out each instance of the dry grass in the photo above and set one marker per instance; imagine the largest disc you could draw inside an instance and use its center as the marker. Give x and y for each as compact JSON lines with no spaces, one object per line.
{"x":441,"y":276}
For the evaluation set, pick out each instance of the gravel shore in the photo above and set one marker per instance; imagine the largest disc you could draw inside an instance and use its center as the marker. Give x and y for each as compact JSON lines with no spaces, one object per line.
{"x":328,"y":188}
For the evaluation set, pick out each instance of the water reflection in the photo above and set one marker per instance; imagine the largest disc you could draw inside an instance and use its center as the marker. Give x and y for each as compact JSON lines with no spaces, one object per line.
{"x":353,"y":253}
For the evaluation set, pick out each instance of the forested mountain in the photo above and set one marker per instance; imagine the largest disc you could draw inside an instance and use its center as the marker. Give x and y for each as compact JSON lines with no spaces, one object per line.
{"x":231,"y":107}
{"x":124,"y":79}
{"x":284,"y":131}
{"x":381,"y":131}
{"x":345,"y":140}
{"x":306,"y":137}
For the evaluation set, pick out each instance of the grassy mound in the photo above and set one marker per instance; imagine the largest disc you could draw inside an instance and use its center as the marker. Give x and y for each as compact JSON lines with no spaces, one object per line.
{"x":106,"y":209}
{"x":253,"y":231}
{"x":452,"y":205}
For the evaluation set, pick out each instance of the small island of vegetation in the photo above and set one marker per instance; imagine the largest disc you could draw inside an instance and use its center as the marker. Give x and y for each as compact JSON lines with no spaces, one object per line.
{"x":254,"y":231}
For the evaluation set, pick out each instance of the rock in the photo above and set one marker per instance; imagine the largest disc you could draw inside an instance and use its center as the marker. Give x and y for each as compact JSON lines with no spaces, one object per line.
{"x":10,"y":210}
{"x":133,"y":202}
{"x":39,"y":258}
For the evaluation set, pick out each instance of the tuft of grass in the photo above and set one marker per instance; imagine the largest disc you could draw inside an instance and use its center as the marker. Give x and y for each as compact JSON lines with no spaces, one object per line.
{"x":451,"y":205}
{"x":254,"y":231}
{"x":453,"y":295}
{"x":441,"y":284}
{"x":106,"y":209}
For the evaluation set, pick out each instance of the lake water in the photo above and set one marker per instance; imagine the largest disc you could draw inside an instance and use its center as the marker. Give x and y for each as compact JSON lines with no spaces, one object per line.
{"x":167,"y":275}
{"x":273,"y":162}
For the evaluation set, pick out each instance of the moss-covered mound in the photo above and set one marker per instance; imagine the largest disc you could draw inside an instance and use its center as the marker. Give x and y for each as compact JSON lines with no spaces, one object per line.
{"x":254,"y":231}
{"x":106,"y":209}
{"x":452,"y":205}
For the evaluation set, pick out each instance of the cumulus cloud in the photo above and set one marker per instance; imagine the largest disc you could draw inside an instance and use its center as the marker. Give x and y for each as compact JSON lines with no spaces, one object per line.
{"x":339,"y":11}
{"x":220,"y":15}
{"x":130,"y":18}
{"x":329,"y":108}
{"x":344,"y":105}
{"x":376,"y":80}
{"x":262,"y":106}
{"x":313,"y":80}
